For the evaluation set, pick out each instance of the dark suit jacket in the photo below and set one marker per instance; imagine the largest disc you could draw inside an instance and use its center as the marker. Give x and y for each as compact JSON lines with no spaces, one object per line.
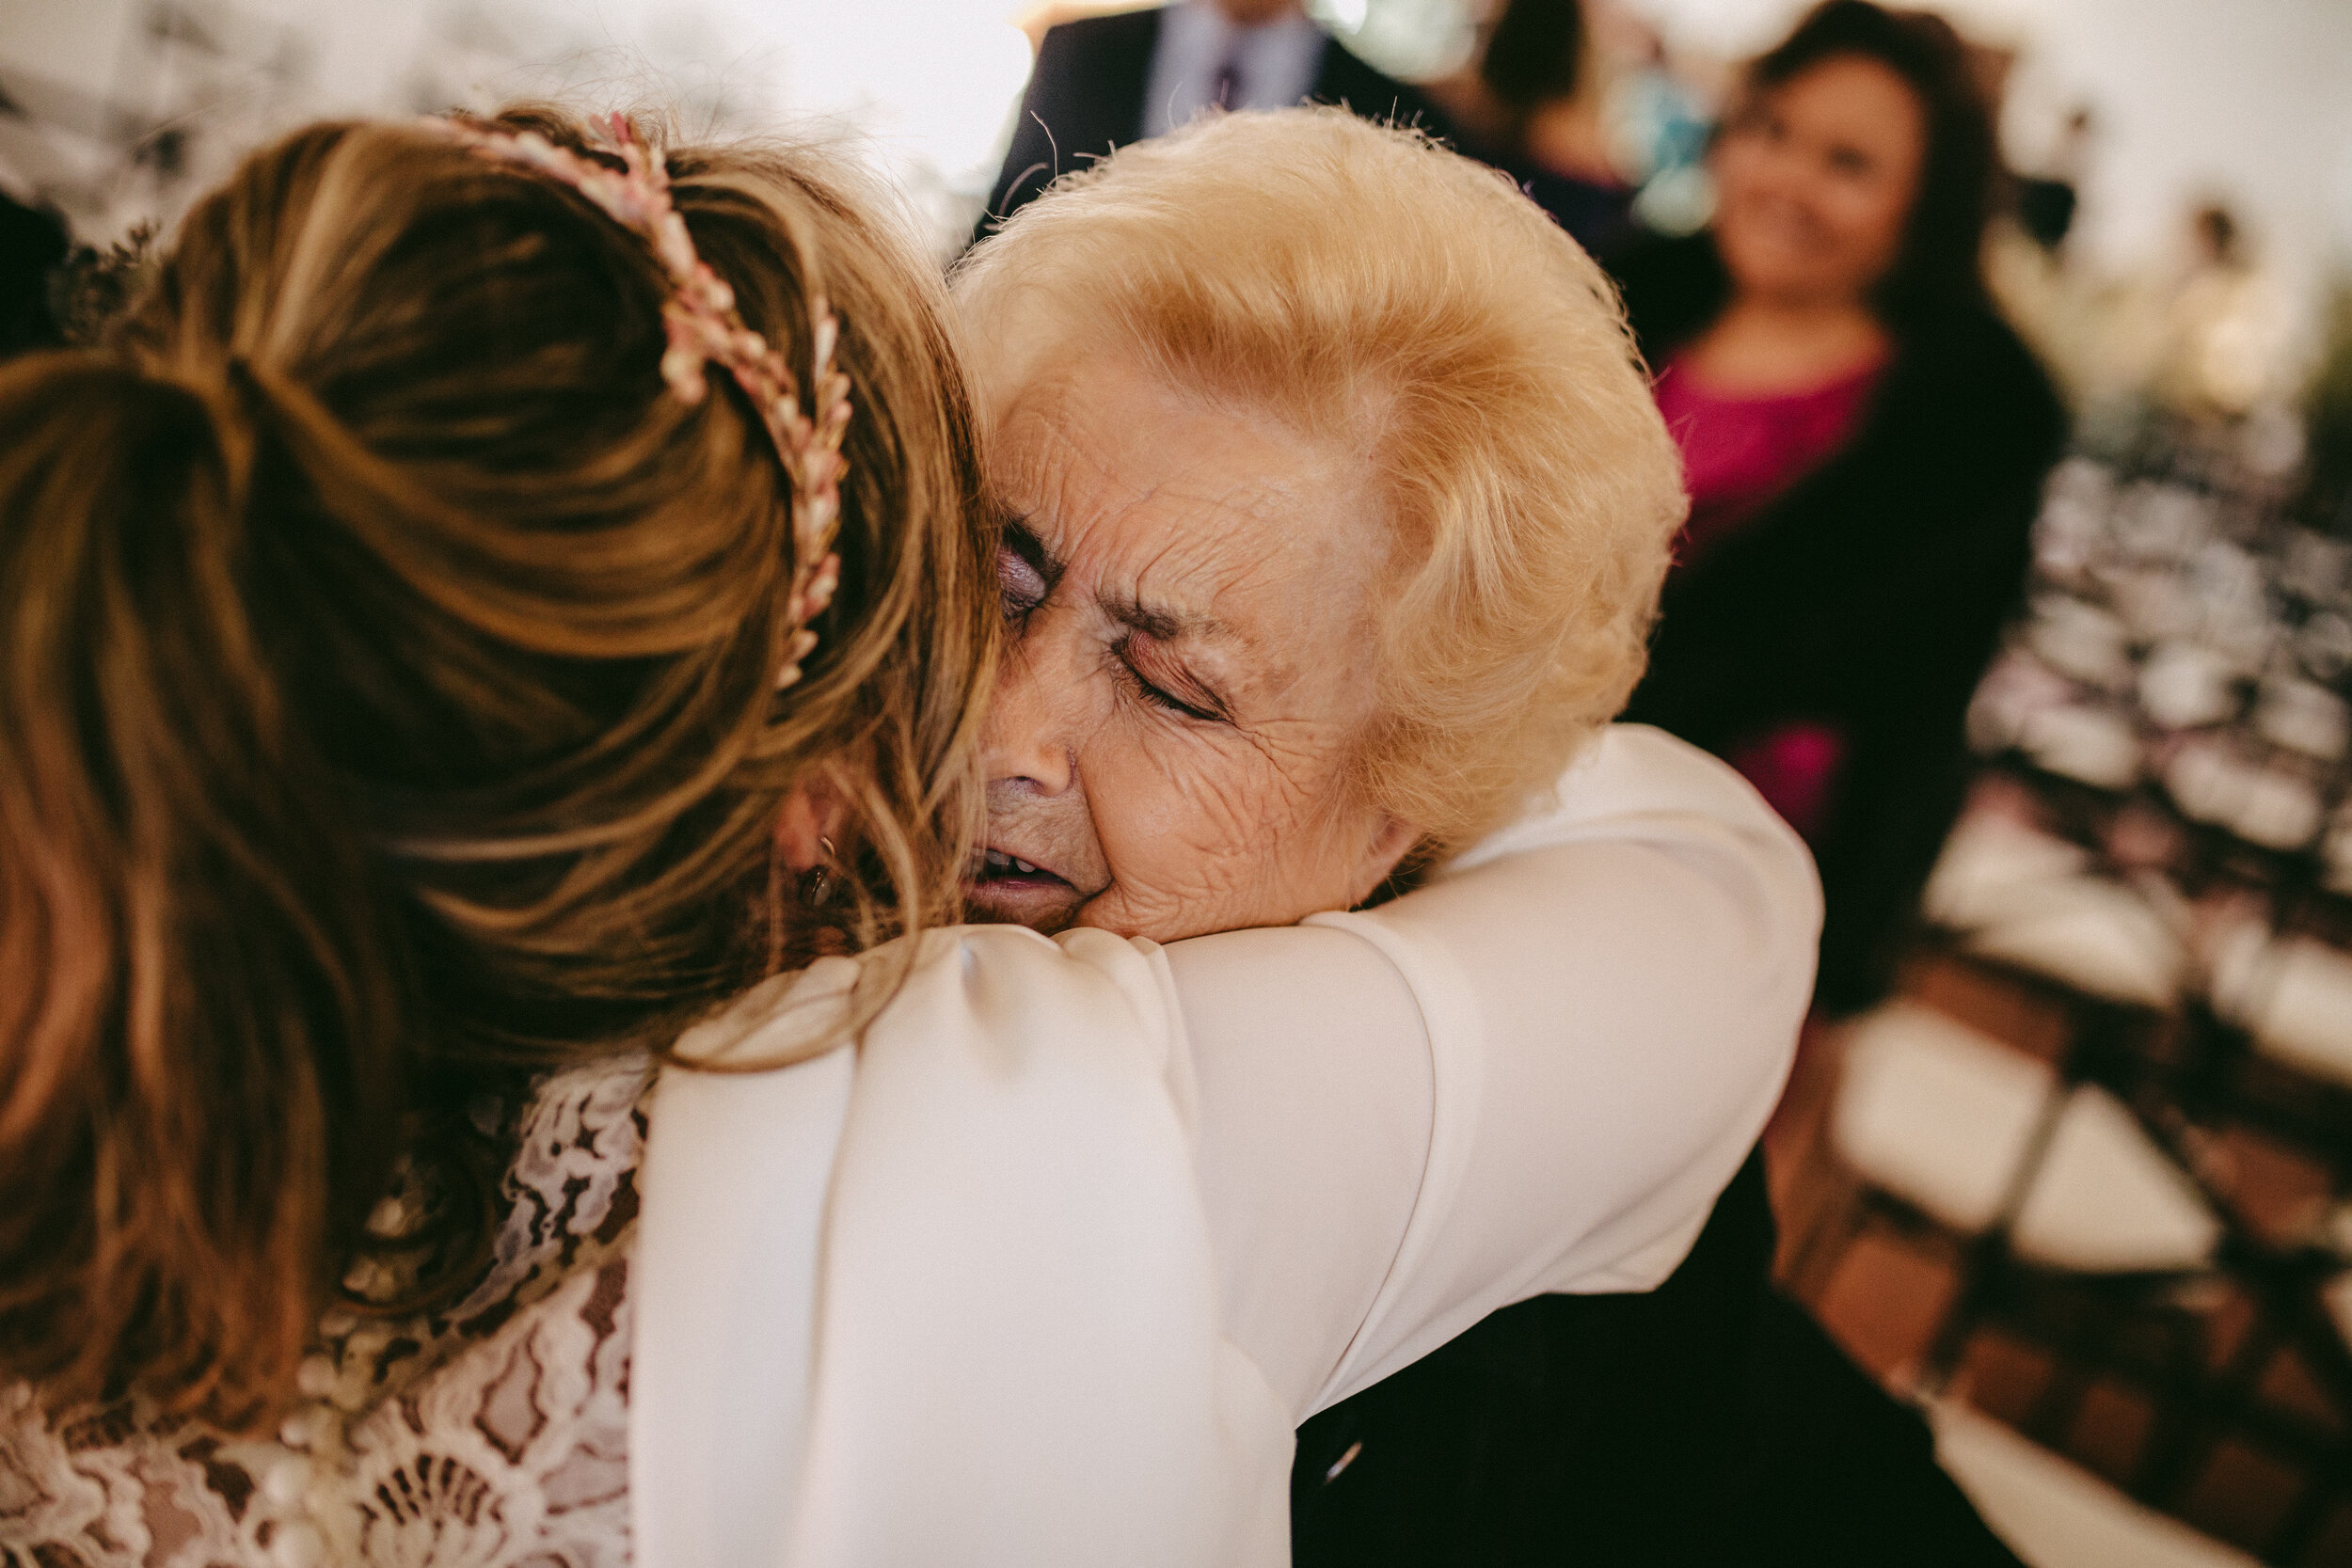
{"x":1707,"y":1424}
{"x":1086,"y":98}
{"x":1869,"y":597}
{"x":1564,"y":1430}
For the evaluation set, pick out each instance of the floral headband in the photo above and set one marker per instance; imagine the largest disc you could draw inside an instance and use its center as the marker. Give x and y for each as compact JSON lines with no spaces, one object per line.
{"x":705,"y":328}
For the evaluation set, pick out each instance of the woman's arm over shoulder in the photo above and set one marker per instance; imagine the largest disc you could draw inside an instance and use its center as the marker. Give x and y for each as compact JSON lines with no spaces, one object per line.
{"x":945,"y":1294}
{"x":1535,"y":1073}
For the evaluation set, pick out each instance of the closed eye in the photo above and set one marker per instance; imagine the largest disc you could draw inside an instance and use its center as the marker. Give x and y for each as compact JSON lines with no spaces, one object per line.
{"x":1020,"y":587}
{"x":1204,"y":709}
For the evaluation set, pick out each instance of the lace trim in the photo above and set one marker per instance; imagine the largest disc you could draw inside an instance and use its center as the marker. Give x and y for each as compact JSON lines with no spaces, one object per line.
{"x":492,"y":1434}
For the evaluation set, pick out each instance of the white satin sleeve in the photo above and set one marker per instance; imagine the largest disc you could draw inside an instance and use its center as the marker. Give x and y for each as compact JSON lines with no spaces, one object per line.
{"x":1535,"y":1073}
{"x":945,"y":1295}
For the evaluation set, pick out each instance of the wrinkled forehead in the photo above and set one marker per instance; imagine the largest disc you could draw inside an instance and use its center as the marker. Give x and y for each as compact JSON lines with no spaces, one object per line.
{"x":1139,"y":481}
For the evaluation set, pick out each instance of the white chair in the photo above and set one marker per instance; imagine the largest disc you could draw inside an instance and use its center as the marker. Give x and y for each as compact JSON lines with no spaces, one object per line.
{"x":2305,"y":716}
{"x":2054,"y":1514}
{"x":2272,"y":807}
{"x":2184,"y":686}
{"x":2084,"y":741}
{"x":1943,"y":1118}
{"x":2017,"y":896}
{"x":2081,"y":640}
{"x":2335,"y":854}
{"x":2293,"y":996}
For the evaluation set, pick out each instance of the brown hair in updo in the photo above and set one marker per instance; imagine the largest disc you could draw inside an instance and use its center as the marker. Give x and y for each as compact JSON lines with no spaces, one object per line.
{"x":388,"y":706}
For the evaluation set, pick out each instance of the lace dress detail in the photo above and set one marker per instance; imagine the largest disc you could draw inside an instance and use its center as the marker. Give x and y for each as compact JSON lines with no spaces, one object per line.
{"x":492,"y":1434}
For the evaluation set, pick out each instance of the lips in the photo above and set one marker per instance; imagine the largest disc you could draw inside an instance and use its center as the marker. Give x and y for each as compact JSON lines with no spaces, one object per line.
{"x":1006,"y":886}
{"x":1003,"y":869}
{"x":996,"y":862}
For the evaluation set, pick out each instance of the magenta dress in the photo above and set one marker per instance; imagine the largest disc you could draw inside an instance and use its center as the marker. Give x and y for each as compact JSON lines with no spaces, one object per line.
{"x":1740,"y":454}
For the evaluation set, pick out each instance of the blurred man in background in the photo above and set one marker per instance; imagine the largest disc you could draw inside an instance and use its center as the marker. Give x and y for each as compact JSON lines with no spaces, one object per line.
{"x":1104,"y":81}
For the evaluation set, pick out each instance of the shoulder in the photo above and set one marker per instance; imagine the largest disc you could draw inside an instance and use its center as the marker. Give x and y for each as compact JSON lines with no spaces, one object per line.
{"x":1976,"y":342}
{"x":994,"y":986}
{"x":1636,"y":782}
{"x":982,"y":1218}
{"x":1964,"y":369}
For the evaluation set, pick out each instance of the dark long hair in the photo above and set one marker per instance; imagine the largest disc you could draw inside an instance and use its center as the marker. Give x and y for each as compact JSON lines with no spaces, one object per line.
{"x":1941,"y":261}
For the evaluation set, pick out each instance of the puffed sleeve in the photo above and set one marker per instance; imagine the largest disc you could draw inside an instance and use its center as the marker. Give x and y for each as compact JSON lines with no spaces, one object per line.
{"x":1535,"y":1073}
{"x":944,"y":1294}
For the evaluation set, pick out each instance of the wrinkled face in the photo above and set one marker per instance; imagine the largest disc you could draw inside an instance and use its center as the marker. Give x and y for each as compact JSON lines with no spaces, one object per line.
{"x":1189,"y":594}
{"x":1816,"y":180}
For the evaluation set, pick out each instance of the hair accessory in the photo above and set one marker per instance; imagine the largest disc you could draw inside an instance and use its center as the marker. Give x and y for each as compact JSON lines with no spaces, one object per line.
{"x":705,"y":328}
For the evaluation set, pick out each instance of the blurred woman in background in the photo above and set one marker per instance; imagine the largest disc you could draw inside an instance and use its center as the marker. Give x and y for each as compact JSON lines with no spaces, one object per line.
{"x":1865,"y":441}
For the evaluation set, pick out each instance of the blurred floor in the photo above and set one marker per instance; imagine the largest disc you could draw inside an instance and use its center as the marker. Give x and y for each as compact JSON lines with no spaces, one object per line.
{"x":1886,"y":1293}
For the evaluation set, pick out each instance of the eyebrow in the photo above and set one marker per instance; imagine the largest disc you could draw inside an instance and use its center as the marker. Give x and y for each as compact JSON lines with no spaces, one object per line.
{"x":1157,"y":620}
{"x":1152,"y":620}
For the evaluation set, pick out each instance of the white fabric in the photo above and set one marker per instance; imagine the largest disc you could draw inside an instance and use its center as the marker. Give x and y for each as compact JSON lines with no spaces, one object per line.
{"x":1106,"y":1220}
{"x":1943,"y":1116}
{"x":1274,"y":65}
{"x":776,"y":1134}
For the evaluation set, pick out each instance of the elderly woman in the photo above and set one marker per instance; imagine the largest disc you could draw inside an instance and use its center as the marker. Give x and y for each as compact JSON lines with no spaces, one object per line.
{"x":1325,"y":558}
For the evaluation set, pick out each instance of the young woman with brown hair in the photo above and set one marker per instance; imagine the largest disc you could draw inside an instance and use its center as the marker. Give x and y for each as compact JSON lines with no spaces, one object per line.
{"x":409,"y":723}
{"x":391,"y":711}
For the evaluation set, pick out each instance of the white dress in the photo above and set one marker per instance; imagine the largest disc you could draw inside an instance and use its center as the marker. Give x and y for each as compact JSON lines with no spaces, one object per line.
{"x":1046,"y":1269}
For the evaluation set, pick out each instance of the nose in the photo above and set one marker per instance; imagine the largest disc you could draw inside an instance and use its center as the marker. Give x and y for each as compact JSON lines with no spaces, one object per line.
{"x":1026,"y":744}
{"x":1770,"y":168}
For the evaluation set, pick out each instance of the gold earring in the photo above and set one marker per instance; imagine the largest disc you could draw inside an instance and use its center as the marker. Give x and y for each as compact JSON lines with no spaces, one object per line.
{"x":816,"y":883}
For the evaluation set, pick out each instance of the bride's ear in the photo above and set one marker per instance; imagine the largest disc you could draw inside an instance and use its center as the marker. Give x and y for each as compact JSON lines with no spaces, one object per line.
{"x":810,"y":820}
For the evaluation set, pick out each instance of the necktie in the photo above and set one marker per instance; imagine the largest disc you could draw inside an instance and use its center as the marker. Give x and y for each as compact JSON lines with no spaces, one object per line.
{"x":1226,"y":93}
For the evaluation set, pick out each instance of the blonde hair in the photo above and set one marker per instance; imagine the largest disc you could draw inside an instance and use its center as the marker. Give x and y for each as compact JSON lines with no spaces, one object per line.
{"x":389,"y":706}
{"x":1371,"y":288}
